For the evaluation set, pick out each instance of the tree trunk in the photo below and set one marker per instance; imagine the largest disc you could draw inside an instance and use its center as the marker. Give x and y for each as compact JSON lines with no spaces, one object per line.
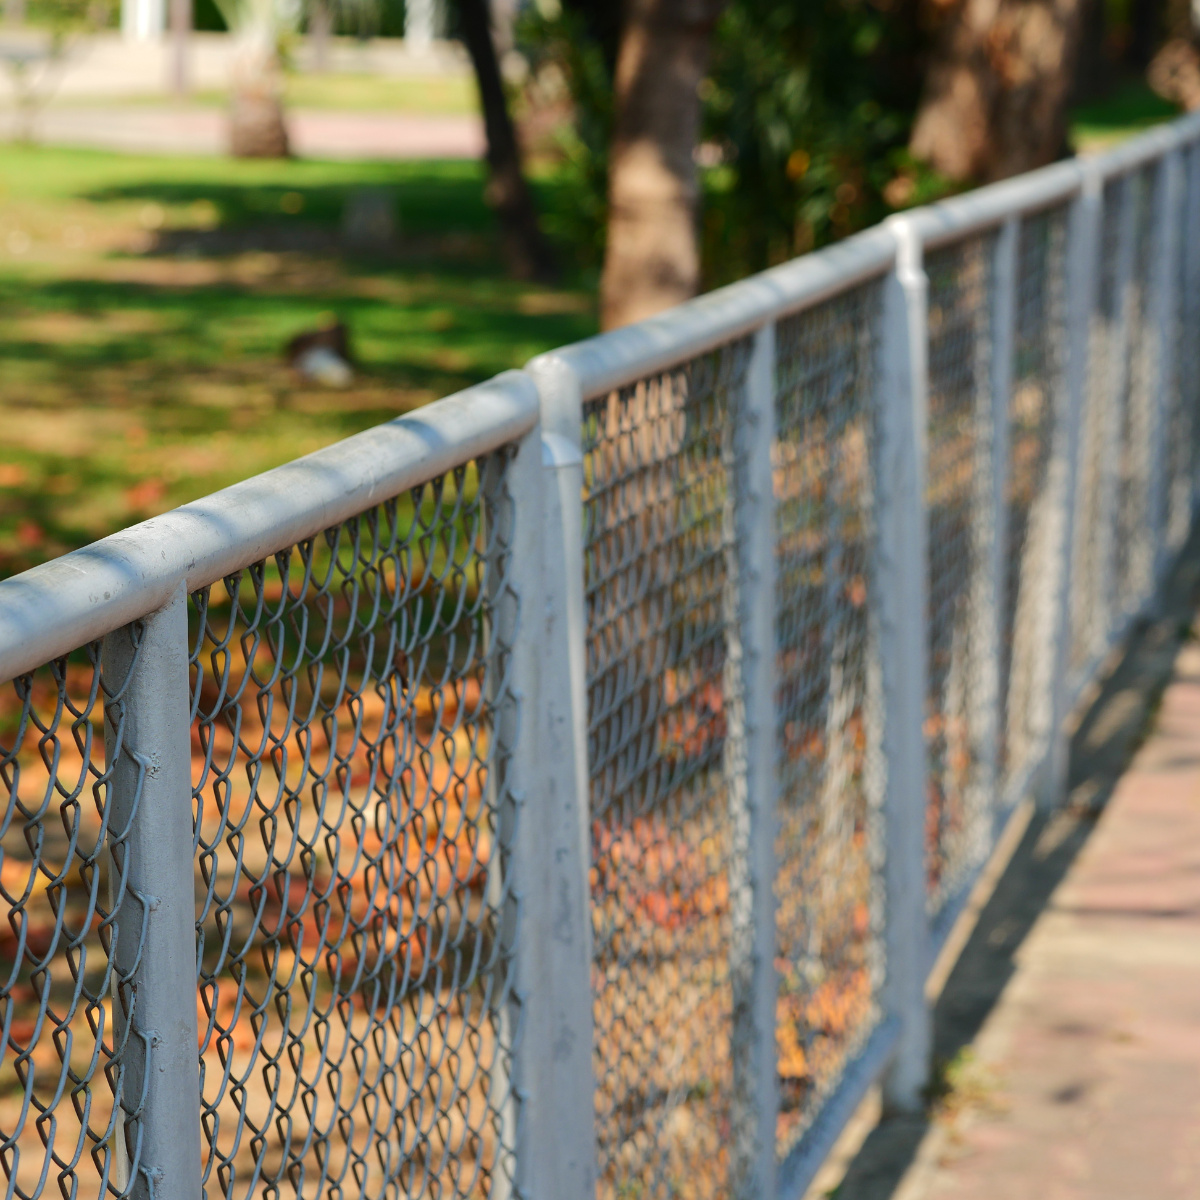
{"x":528,"y":253}
{"x":652,"y":259}
{"x":320,"y":27}
{"x":997,"y":86}
{"x":256,"y":124}
{"x":180,"y":12}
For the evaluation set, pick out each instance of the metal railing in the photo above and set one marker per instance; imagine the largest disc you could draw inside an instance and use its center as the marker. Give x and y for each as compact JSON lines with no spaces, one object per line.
{"x":565,"y":790}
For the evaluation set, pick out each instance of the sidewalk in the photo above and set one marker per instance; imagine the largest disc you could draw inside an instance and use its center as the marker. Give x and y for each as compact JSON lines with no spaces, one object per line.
{"x":168,"y":129}
{"x":1072,"y":1019}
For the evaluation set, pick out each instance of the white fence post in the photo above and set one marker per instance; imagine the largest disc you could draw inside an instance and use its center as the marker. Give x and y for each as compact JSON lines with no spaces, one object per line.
{"x":147,"y":727}
{"x":751,"y":776}
{"x":559,"y":1141}
{"x":993,"y":586}
{"x":1084,"y":227}
{"x":901,"y":593}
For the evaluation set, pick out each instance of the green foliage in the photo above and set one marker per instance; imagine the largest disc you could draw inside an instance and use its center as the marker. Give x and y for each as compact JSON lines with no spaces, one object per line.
{"x":563,"y":56}
{"x":143,"y":315}
{"x":807,"y":109}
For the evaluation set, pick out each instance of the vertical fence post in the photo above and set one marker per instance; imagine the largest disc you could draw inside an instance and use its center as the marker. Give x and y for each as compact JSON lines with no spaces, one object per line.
{"x":148,"y":740}
{"x":1164,"y":307}
{"x":559,"y":1136}
{"x":512,"y":485}
{"x":993,"y":581}
{"x":901,"y":586}
{"x":751,"y":775}
{"x":1084,"y":227}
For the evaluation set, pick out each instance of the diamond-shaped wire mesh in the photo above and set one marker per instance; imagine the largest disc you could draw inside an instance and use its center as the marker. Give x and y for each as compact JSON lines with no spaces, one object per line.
{"x":62,"y":878}
{"x":1181,"y":388}
{"x":657,"y":533}
{"x":828,"y":956}
{"x":1135,"y":538}
{"x":1029,"y":569}
{"x":1091,"y":591}
{"x":354,"y":939}
{"x":958,"y":492}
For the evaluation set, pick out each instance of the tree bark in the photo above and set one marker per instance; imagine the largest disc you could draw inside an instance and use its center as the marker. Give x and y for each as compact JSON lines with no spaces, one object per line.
{"x":320,"y":28}
{"x":527,"y":252}
{"x":652,"y":259}
{"x":180,"y":12}
{"x":997,"y":87}
{"x":256,"y":125}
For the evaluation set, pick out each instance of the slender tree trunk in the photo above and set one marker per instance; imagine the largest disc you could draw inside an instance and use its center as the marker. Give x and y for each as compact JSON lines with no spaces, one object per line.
{"x":320,"y":26}
{"x":181,"y":31}
{"x":997,"y":87}
{"x":527,"y":251}
{"x":652,"y":260}
{"x":256,"y":124}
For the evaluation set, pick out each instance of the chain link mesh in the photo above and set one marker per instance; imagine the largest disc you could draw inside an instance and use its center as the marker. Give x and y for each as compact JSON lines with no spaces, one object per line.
{"x":1135,"y":539}
{"x":62,"y":879}
{"x":656,"y":541}
{"x":1030,"y":573}
{"x":958,"y":492}
{"x":829,"y":954}
{"x":1091,"y":598}
{"x":355,"y":1028}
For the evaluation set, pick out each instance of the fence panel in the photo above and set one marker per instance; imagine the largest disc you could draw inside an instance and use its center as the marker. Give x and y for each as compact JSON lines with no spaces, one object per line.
{"x":656,"y":542}
{"x":959,"y":505}
{"x":348,"y":786}
{"x":63,"y":877}
{"x":828,"y":887}
{"x":1035,"y":417}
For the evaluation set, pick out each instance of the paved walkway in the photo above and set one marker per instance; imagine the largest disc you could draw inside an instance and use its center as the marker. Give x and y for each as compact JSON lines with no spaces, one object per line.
{"x":1073,"y":1016}
{"x":142,"y":129}
{"x":1085,"y":1083}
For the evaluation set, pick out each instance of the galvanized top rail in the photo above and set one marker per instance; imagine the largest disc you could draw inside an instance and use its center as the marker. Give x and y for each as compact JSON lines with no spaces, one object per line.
{"x":66,"y":603}
{"x":611,"y":360}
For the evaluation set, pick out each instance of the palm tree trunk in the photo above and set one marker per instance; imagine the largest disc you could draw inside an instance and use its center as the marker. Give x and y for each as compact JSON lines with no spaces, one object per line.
{"x":997,"y":87}
{"x":652,"y":260}
{"x":256,"y":124}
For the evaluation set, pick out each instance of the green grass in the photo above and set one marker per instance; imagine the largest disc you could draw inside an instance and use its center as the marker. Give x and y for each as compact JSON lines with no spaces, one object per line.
{"x":133,"y":380}
{"x":1131,"y":108}
{"x":424,"y":95}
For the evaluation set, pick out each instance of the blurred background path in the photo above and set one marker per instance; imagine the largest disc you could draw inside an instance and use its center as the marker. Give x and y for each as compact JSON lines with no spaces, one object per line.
{"x":197,"y":130}
{"x":1068,"y":1032}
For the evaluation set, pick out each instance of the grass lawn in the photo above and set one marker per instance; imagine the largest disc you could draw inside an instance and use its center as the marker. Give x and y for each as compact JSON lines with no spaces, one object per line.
{"x":145,"y":302}
{"x":1130,"y":109}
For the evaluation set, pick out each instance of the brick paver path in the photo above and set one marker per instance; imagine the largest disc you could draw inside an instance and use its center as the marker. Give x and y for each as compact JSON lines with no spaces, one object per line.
{"x":1085,"y":1081}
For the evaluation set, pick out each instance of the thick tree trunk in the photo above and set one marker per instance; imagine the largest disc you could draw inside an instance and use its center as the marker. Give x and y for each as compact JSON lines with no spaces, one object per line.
{"x":528,"y":253}
{"x":652,"y":260}
{"x":997,"y":87}
{"x":256,"y":124}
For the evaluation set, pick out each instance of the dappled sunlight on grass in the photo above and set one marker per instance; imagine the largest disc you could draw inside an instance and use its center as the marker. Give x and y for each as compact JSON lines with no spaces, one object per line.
{"x":145,"y":304}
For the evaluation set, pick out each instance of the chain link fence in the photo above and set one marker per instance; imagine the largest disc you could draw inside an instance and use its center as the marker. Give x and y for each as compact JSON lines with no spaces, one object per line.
{"x":829,"y":952}
{"x":958,"y":492}
{"x":348,"y":786}
{"x":656,"y":707}
{"x":656,"y":544}
{"x":64,"y":1003}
